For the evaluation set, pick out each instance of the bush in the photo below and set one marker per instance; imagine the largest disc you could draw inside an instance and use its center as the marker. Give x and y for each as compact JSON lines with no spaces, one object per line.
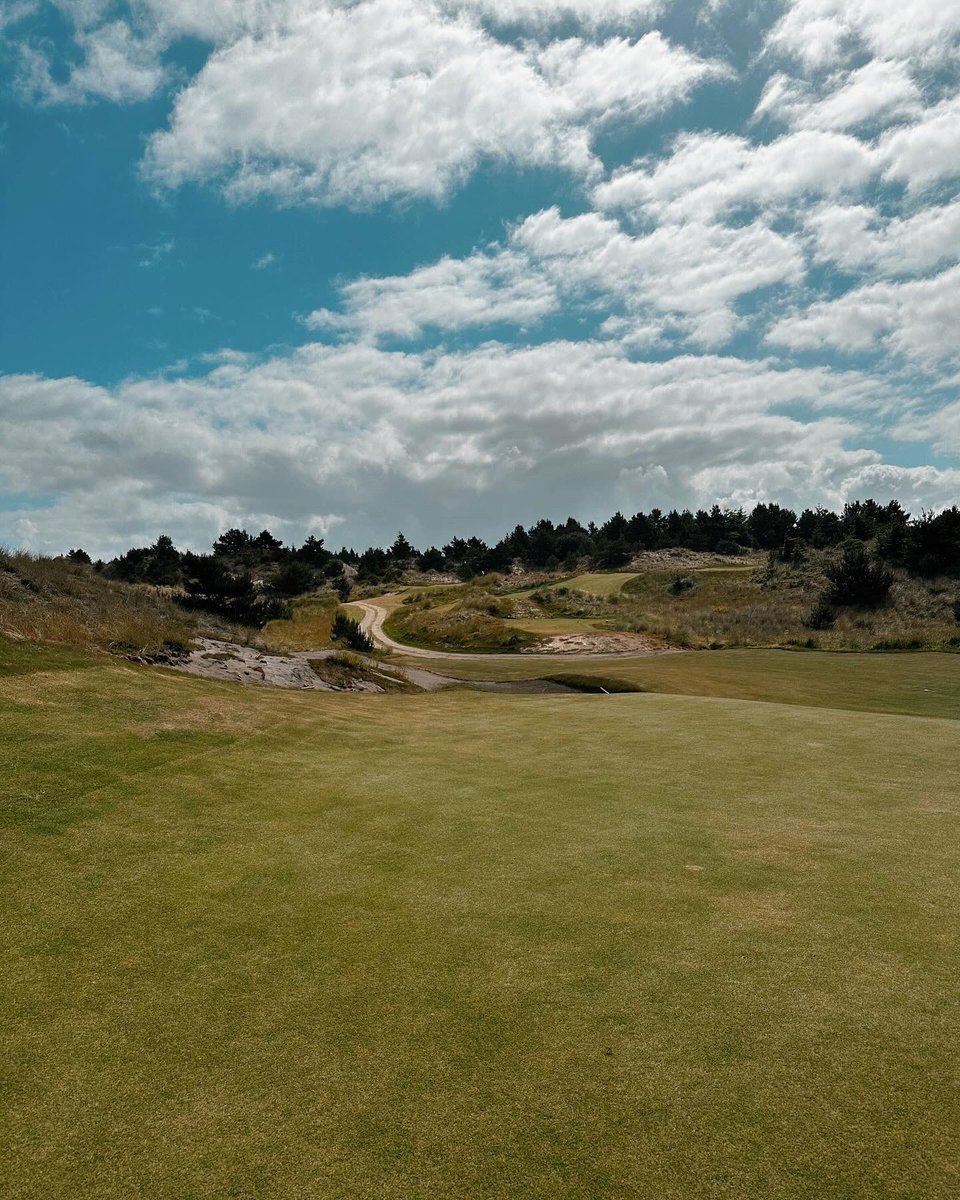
{"x":294,"y":579}
{"x":956,"y":611}
{"x":821,"y":616}
{"x":345,"y":629}
{"x":899,"y":644}
{"x":682,"y":585}
{"x":857,"y":578}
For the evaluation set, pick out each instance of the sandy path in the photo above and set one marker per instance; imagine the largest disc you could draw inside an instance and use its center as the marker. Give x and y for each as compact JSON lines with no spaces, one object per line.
{"x":374,"y":616}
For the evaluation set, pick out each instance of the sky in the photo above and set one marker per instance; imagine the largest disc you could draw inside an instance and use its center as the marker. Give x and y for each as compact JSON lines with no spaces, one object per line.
{"x":340,"y":267}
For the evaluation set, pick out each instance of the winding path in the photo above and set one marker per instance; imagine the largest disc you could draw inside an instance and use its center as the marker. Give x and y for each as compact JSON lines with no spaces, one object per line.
{"x":374,"y":616}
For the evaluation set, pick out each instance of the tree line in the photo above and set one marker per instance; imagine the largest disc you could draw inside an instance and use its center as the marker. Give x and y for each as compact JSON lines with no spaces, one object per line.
{"x":251,"y":577}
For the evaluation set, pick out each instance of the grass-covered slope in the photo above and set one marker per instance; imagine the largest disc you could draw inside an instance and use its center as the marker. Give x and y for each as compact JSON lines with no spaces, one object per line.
{"x":284,"y":945}
{"x":471,"y":619}
{"x":54,"y":600}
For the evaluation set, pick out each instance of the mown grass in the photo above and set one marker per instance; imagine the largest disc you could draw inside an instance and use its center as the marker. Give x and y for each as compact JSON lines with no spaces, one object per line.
{"x":914,"y":684}
{"x":600,"y":584}
{"x":290,"y":945}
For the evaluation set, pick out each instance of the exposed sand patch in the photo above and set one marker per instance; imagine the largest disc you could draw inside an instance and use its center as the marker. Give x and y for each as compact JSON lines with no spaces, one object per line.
{"x":599,"y":643}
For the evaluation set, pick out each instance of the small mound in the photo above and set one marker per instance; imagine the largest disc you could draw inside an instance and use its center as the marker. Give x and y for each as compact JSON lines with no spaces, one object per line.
{"x":595,"y":684}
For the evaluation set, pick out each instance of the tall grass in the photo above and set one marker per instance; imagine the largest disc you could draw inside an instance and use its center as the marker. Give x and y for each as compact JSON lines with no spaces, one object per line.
{"x":53,"y":600}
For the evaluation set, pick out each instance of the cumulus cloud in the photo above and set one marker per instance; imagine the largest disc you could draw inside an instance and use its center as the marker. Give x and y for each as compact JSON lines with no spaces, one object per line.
{"x":822,"y":32}
{"x":683,"y":279}
{"x":452,"y":294}
{"x":877,"y":91}
{"x":389,"y":99}
{"x":926,"y":152}
{"x":918,"y":318}
{"x":363,"y":434}
{"x":549,"y":12}
{"x":857,"y":237}
{"x":708,"y":174}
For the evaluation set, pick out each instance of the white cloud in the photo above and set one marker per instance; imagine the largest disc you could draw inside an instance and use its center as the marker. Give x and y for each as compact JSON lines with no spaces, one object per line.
{"x":682,"y":279}
{"x":689,"y":274}
{"x":452,"y":294}
{"x":857,"y":237}
{"x":387,"y":99}
{"x":619,"y":76}
{"x":14,"y":11}
{"x":918,"y":318}
{"x":153,"y":253}
{"x":264,"y":261}
{"x":443,"y":442}
{"x":589,"y":12}
{"x":822,"y":32}
{"x":709,"y":174}
{"x":878,"y":90}
{"x":116,"y":66}
{"x":926,"y":152}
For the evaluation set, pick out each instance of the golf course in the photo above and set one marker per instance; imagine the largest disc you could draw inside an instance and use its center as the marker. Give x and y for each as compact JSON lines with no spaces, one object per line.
{"x":699,"y":940}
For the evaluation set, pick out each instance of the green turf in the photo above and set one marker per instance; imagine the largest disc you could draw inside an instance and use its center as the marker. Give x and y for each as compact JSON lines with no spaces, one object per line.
{"x":920,"y":684}
{"x":293,"y":945}
{"x":601,"y":584}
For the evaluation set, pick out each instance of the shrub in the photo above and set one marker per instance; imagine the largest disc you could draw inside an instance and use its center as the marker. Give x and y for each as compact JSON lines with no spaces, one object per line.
{"x":682,"y":585}
{"x":956,"y":611}
{"x":345,"y":629}
{"x":294,"y":579}
{"x":821,"y":616}
{"x":857,"y":578}
{"x":899,"y":644}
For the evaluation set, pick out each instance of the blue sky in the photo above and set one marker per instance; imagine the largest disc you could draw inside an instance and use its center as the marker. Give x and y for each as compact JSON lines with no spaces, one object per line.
{"x":339,"y":267}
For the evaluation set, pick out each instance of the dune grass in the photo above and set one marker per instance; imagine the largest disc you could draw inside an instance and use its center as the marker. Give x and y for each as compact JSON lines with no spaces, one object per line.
{"x":290,"y":945}
{"x":54,"y":600}
{"x":308,"y":627}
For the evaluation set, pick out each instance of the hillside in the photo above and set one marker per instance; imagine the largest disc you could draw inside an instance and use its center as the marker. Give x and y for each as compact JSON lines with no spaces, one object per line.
{"x":55,"y":600}
{"x":686,"y":601}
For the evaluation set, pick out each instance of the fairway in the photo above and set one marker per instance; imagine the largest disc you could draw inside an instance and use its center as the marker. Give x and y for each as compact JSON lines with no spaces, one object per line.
{"x":294,"y":945}
{"x":601,"y":584}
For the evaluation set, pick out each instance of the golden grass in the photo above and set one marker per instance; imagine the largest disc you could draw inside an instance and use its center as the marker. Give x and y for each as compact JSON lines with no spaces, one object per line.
{"x":51,"y":600}
{"x":307,"y":629}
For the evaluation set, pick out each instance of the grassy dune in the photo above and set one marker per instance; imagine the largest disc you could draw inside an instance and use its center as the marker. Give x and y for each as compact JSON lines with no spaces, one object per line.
{"x":52,"y":600}
{"x":268,"y":944}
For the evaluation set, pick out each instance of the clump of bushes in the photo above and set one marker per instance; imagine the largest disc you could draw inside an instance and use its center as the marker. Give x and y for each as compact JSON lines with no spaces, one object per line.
{"x":821,"y":616}
{"x":857,"y":579}
{"x":345,"y":629}
{"x":682,"y":586}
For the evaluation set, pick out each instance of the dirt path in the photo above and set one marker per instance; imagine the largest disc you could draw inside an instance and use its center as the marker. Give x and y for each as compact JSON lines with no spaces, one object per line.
{"x":569,"y":647}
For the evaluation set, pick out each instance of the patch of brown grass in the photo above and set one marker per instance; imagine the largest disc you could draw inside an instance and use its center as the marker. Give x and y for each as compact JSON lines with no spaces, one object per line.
{"x":54,"y":600}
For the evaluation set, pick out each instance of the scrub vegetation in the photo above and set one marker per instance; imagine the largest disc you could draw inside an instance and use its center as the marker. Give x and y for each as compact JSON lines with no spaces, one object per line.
{"x":828,"y":599}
